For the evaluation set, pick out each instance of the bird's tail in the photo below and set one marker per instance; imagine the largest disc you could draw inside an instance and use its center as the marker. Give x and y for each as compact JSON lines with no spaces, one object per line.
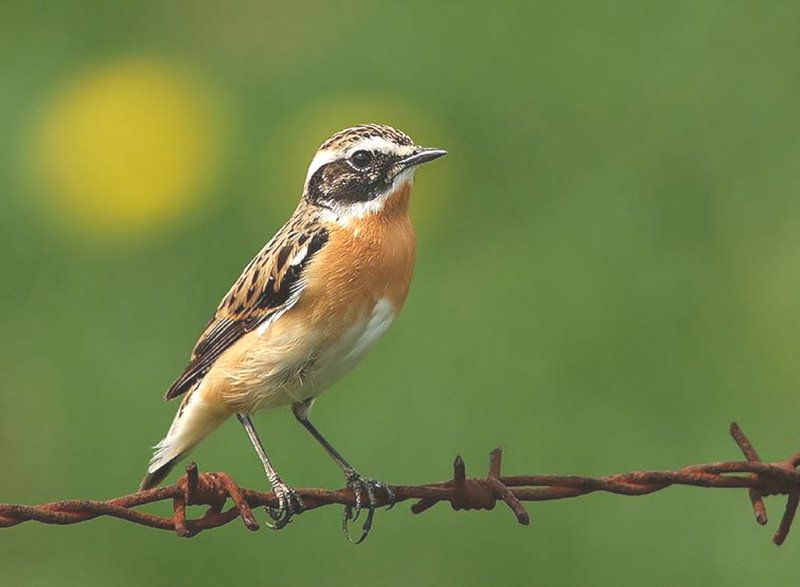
{"x":196,"y":419}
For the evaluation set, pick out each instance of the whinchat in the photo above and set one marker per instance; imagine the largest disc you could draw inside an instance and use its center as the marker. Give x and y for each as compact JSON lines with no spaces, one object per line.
{"x":308,"y":307}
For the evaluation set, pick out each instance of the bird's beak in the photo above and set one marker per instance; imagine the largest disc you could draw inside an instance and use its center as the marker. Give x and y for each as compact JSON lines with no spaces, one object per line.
{"x":421,"y":155}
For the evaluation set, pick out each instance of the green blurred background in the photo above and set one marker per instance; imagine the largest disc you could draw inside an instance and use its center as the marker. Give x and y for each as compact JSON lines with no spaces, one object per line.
{"x":608,"y":274}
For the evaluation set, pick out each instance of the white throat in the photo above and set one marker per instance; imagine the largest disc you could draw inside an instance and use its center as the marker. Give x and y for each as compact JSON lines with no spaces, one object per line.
{"x":343,"y":214}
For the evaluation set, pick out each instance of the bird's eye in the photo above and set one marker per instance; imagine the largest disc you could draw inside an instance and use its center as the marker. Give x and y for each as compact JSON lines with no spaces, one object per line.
{"x":361,"y":159}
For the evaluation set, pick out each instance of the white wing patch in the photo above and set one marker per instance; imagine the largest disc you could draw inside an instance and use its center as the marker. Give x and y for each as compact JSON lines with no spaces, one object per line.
{"x":262,"y":328}
{"x":301,"y":254}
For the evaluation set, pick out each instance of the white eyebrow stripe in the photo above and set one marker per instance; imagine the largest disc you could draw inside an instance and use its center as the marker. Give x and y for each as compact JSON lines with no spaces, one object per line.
{"x":320,"y":159}
{"x":369,"y":144}
{"x":373,"y":144}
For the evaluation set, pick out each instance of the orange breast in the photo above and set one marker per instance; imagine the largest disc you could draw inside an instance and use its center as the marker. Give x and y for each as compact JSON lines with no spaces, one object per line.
{"x":369,"y":259}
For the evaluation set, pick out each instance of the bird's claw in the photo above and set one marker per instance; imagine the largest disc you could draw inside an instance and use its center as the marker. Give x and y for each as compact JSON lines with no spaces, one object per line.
{"x":289,"y":505}
{"x":361,"y":485}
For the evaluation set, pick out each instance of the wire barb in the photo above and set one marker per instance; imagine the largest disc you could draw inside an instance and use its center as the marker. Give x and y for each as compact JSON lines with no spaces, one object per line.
{"x":757,"y":500}
{"x":463,"y":493}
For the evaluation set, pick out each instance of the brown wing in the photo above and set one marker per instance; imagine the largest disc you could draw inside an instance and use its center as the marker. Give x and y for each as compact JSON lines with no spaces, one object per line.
{"x":269,"y":285}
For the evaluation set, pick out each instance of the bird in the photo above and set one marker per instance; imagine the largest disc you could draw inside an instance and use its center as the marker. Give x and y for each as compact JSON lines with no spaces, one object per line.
{"x":307,"y":308}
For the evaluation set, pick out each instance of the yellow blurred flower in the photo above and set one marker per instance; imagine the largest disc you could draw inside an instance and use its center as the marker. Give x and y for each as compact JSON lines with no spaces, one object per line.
{"x":125,"y":147}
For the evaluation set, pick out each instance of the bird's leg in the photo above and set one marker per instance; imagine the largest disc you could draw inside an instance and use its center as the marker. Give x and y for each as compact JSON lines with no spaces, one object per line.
{"x":355,"y":481}
{"x":289,"y":502}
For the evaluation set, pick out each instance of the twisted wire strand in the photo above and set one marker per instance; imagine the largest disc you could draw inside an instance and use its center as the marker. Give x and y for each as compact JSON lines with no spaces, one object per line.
{"x":479,"y":493}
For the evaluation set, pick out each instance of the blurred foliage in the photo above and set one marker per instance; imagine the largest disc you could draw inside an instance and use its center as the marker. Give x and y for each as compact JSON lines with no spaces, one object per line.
{"x":608,"y":273}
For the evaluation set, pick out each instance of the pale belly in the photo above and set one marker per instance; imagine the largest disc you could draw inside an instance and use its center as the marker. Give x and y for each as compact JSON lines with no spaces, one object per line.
{"x":310,"y":366}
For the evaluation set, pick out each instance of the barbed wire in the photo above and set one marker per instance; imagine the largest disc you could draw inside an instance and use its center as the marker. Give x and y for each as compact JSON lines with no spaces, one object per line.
{"x":482,"y":493}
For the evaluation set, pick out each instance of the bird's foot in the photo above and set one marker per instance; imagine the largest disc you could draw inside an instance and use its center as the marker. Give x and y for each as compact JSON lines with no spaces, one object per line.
{"x":360,"y":486}
{"x":289,"y":505}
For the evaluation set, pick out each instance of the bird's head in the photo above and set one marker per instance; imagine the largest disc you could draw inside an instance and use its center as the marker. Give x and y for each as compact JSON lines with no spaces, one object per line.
{"x":358,"y":169}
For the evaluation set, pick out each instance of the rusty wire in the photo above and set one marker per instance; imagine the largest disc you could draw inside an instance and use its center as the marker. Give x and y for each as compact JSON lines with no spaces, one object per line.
{"x":214,"y":489}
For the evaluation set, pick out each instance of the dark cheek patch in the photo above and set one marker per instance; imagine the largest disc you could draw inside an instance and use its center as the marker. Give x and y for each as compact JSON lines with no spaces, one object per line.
{"x":337,"y":181}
